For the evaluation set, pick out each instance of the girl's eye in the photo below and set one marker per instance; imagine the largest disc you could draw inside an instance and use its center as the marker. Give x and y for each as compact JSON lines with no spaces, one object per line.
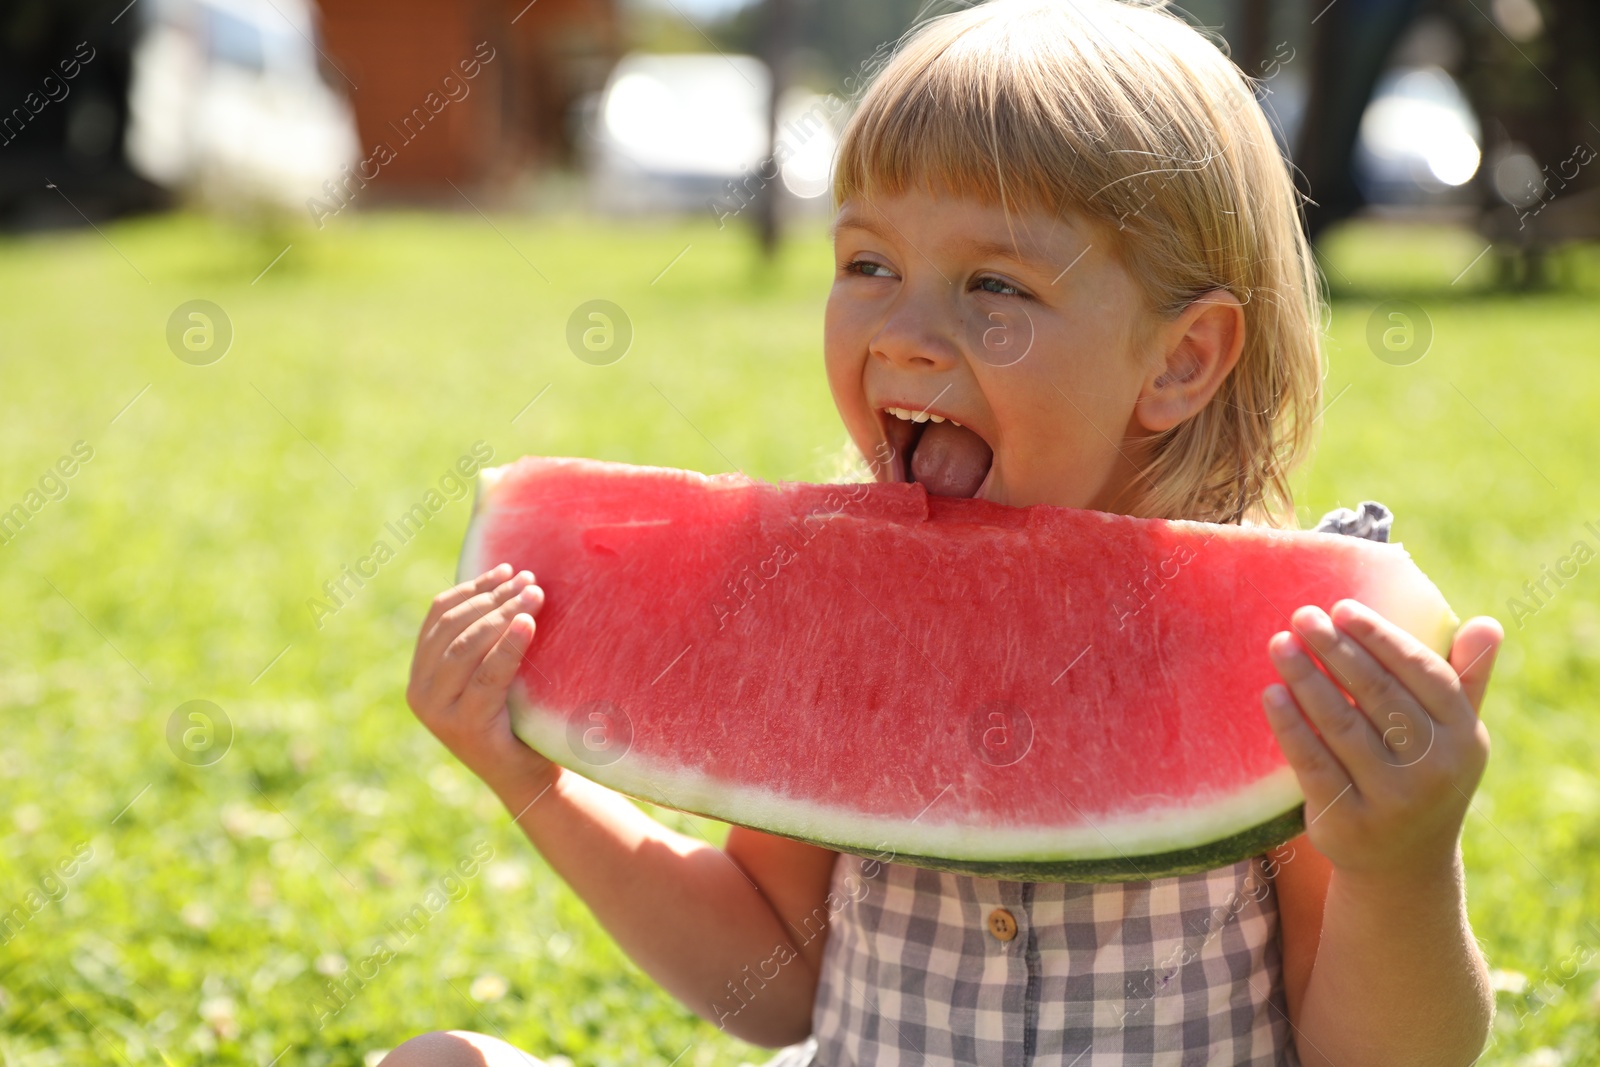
{"x":868,"y":268}
{"x":991,"y":284}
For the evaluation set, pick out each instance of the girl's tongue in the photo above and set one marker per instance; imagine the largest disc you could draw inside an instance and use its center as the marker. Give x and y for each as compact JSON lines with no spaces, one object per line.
{"x":950,"y":460}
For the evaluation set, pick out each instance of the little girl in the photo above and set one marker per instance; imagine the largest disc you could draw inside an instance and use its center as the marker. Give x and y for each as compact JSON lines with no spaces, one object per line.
{"x":1069,"y":271}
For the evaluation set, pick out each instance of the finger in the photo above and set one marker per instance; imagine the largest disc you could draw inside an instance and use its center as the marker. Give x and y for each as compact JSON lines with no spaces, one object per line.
{"x":1322,"y":778}
{"x":423,"y":659}
{"x":432,"y":643}
{"x":1472,"y":657}
{"x":1346,"y":731}
{"x":486,"y":692}
{"x":464,"y":654}
{"x":1423,"y":672}
{"x":454,"y":621}
{"x":1405,"y":728}
{"x":448,"y":599}
{"x":1355,"y":669}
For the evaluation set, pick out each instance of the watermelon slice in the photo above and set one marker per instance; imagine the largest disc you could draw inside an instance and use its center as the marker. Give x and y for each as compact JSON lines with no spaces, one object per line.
{"x":1031,"y":693}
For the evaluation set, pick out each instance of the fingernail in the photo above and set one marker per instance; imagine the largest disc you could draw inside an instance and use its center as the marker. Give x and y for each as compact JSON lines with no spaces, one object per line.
{"x":525,"y":576}
{"x":1276,"y":697}
{"x":1351,"y":611}
{"x":530,"y":593}
{"x":1316,"y":621}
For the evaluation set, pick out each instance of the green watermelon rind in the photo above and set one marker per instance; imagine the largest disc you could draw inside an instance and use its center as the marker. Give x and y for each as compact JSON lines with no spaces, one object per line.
{"x":1258,"y":839}
{"x":1260,"y":816}
{"x":543,"y":730}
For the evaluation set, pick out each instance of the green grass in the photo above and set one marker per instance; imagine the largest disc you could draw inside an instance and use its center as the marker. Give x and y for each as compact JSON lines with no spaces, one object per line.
{"x":365,"y":362}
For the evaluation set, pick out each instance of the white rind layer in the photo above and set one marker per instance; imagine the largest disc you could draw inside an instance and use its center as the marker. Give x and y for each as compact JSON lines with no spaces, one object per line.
{"x":1189,"y":823}
{"x":471,"y":563}
{"x":1408,"y":598}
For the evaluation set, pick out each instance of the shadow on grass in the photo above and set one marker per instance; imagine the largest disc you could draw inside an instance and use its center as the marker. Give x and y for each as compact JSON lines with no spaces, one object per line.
{"x":1442,"y":265}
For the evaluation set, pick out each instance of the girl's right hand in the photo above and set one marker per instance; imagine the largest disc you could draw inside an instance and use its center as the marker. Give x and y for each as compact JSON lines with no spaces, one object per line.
{"x":467,"y":655}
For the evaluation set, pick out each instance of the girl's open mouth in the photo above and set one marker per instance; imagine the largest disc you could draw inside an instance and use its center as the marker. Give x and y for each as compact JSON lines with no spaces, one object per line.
{"x":947,"y":458}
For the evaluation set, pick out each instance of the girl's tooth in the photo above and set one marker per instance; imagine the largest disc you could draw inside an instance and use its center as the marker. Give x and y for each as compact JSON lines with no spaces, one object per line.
{"x":936,"y":418}
{"x":953,"y":422}
{"x":921,"y":416}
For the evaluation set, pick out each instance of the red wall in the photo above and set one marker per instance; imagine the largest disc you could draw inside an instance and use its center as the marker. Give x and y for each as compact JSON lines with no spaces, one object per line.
{"x":395,"y":52}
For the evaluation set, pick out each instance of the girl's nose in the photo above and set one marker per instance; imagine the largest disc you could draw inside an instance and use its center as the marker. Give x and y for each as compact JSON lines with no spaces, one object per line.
{"x":918,"y":334}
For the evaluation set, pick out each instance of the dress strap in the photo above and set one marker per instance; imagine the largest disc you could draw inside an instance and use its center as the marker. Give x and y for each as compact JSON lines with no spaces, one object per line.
{"x":1371,"y":520}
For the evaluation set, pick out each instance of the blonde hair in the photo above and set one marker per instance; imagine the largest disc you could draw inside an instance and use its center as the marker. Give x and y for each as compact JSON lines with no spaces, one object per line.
{"x":1123,"y":114}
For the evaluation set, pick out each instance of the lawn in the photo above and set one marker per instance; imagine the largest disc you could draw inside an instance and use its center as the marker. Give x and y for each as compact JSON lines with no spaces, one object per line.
{"x":183,"y":911}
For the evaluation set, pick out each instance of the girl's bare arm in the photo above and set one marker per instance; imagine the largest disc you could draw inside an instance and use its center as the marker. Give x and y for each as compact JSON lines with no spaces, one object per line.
{"x":1398,"y":977}
{"x":716,"y":928}
{"x":712,"y":926}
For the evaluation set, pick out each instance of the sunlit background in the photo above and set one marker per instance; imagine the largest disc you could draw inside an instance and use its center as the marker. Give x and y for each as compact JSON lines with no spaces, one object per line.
{"x":656,"y":105}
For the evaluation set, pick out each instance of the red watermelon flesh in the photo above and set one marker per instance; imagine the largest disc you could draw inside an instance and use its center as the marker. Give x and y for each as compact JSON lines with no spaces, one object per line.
{"x":1034,"y":693}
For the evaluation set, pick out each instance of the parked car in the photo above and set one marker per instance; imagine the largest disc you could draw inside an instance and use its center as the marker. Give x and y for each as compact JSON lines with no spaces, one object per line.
{"x":228,"y":100}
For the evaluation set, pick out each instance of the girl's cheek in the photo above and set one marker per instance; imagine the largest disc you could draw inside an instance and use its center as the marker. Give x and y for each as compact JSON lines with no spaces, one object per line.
{"x":835,"y":335}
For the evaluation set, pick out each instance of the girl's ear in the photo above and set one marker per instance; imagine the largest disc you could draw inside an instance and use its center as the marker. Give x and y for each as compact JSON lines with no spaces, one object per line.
{"x":1198,"y":349}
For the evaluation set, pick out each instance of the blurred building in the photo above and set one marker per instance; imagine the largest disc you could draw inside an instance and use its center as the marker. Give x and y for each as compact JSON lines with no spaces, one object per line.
{"x":533,"y":60}
{"x":108,"y":106}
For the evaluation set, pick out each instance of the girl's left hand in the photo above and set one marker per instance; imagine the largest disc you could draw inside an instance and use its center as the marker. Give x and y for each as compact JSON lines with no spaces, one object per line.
{"x":1389,"y":780}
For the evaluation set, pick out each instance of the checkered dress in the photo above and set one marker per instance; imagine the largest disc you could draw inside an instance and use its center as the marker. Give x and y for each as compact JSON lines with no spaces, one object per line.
{"x":1183,"y":971}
